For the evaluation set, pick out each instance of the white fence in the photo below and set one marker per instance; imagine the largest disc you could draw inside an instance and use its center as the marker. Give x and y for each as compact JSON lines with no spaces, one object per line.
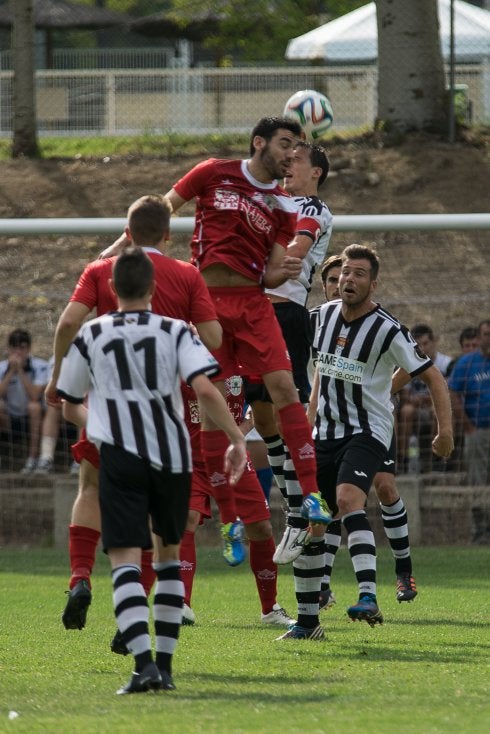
{"x":199,"y":101}
{"x":347,"y":223}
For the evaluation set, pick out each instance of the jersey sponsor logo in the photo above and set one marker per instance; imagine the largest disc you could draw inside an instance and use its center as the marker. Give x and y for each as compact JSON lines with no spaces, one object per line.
{"x":225,"y":199}
{"x":340,"y":368}
{"x":255,"y":217}
{"x":307,"y":451}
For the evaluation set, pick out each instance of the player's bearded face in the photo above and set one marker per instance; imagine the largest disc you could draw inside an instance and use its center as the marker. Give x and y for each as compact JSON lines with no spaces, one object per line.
{"x":275,"y":160}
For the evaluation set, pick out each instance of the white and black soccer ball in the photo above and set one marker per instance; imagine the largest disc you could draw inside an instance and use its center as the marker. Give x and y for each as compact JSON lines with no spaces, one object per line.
{"x":312,"y":110}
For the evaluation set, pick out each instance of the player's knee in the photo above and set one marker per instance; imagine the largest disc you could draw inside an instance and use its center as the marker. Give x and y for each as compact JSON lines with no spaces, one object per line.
{"x":261,"y":530}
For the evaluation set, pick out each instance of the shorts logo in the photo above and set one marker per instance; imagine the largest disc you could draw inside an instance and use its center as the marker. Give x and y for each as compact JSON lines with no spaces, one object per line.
{"x":360,"y":473}
{"x":307,"y":451}
{"x":233,"y":385}
{"x":194,"y":411}
{"x":389,"y":462}
{"x":217,"y":479}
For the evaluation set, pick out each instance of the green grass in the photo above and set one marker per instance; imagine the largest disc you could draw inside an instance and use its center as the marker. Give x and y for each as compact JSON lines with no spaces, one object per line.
{"x":426,"y":670}
{"x":149,"y":144}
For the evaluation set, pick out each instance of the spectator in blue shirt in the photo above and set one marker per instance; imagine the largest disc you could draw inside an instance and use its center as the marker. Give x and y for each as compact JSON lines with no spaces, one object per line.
{"x":469,"y":384}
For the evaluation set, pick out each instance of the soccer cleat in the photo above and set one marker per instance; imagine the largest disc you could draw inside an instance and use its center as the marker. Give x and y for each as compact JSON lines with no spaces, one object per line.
{"x":79,"y":600}
{"x":405,"y":587}
{"x":233,"y":547}
{"x":292,"y":544}
{"x":188,"y":616}
{"x":118,"y":646}
{"x":29,"y":467}
{"x":314,"y":509}
{"x":327,"y":598}
{"x":167,"y":683}
{"x":44,"y":466}
{"x":366,"y":609}
{"x":296,"y":632}
{"x":148,"y":679}
{"x":278,"y":615}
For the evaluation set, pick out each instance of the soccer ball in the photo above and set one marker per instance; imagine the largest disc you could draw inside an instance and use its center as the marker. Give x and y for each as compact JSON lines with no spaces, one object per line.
{"x":312,"y":110}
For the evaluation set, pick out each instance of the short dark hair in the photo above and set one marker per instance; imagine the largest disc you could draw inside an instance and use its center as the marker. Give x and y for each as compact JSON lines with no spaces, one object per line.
{"x":422,"y":329}
{"x":19,"y":338}
{"x":267,"y":126}
{"x":132,"y":273}
{"x":483,"y":323}
{"x":469,"y":332}
{"x":149,"y":219}
{"x":318,"y":157}
{"x":334,"y":261}
{"x":362,"y":252}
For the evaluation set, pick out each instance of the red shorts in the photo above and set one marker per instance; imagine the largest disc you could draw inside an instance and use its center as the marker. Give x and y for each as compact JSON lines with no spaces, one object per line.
{"x":200,"y":496}
{"x":250,"y":501}
{"x":252,"y":338}
{"x":85,"y":449}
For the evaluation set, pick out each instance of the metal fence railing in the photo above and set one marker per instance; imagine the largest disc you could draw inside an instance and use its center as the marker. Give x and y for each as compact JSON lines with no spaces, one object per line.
{"x":199,"y":101}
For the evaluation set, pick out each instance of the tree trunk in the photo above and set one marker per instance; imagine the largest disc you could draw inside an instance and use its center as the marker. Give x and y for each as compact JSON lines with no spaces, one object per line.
{"x":411,"y":83}
{"x":24,"y":141}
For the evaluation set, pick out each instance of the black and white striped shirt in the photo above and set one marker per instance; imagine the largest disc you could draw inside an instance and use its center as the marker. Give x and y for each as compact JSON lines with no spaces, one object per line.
{"x":131,"y":364}
{"x":356,"y":361}
{"x":315,"y":221}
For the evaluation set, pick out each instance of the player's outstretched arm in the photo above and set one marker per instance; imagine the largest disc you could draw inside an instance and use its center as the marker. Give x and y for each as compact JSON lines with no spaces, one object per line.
{"x":443,"y":442}
{"x":215,"y":406}
{"x":68,"y":324}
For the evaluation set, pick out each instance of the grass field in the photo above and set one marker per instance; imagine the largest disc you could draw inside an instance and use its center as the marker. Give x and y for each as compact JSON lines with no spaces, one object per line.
{"x":426,"y":670}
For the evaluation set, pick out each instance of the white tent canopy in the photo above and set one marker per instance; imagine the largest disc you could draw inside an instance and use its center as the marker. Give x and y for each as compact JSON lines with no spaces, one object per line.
{"x":353,"y":38}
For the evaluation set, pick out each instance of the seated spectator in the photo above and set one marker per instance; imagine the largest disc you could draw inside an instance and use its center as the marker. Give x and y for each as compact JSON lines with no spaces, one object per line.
{"x":23,"y":378}
{"x":415,"y":412}
{"x":469,"y":385}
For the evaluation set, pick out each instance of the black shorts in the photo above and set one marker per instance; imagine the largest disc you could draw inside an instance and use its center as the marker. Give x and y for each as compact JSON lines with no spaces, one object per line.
{"x":296,"y":328}
{"x":352,"y":460}
{"x":389,"y":461}
{"x":131,"y":490}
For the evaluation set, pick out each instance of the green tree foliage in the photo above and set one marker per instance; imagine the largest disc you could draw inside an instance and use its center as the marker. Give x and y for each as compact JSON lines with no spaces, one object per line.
{"x":258,"y":30}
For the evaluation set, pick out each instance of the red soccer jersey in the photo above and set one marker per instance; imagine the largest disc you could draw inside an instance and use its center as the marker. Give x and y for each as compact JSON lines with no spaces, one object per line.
{"x":238,"y":219}
{"x":180,"y":293}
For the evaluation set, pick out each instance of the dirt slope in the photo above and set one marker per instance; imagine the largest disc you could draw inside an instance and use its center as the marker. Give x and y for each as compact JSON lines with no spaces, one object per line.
{"x":440,"y":277}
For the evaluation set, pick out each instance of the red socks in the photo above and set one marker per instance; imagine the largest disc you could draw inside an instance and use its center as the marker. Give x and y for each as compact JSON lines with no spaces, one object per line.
{"x":82,"y":549}
{"x":296,"y":432}
{"x":265,"y":571}
{"x":188,"y":564}
{"x":213,"y":446}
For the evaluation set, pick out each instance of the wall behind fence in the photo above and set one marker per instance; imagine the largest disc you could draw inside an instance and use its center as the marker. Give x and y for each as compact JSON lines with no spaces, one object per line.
{"x":200,"y":101}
